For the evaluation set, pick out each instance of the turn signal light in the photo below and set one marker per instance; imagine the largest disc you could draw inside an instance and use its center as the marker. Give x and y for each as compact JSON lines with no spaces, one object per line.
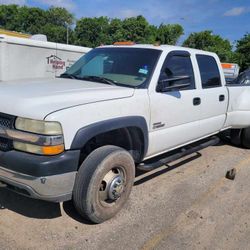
{"x":227,"y":65}
{"x":40,"y":150}
{"x":53,"y":150}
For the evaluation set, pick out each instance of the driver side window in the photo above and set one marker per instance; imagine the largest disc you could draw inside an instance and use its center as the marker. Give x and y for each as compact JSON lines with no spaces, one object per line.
{"x":178,"y":66}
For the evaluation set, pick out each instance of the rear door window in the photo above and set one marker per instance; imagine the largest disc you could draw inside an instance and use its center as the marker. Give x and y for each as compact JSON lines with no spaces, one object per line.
{"x":209,"y":71}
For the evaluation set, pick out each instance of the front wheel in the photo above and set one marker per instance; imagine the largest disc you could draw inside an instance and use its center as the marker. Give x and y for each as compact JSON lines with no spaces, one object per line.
{"x":103,"y":183}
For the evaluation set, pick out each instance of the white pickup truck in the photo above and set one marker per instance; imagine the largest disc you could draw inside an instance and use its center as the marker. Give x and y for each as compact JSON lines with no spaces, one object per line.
{"x":82,"y":135}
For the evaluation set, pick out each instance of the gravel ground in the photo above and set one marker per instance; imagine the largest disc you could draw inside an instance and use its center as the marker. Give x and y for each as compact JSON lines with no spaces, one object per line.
{"x":188,"y":204}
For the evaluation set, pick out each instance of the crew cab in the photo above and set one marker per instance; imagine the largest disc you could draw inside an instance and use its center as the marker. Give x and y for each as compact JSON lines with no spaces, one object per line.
{"x":81,"y":136}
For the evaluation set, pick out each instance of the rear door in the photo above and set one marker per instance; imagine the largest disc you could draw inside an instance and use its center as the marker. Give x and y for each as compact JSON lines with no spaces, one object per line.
{"x":214,"y":96}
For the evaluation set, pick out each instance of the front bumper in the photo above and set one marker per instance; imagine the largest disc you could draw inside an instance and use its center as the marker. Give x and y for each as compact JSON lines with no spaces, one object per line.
{"x":49,"y":178}
{"x":55,"y":188}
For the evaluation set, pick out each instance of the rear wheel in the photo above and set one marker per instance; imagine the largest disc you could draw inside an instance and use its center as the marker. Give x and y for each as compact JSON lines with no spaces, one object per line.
{"x":236,"y":137}
{"x":245,"y":137}
{"x":103,"y":183}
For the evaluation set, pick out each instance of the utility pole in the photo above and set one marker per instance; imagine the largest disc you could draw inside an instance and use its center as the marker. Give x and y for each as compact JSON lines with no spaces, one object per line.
{"x":67,"y":27}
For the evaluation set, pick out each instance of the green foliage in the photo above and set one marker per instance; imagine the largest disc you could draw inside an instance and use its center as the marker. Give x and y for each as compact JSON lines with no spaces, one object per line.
{"x":30,"y":20}
{"x":22,"y":19}
{"x":205,"y":40}
{"x":8,"y":16}
{"x":92,"y":32}
{"x":52,"y":22}
{"x":95,"y":31}
{"x":169,"y":34}
{"x":89,"y":32}
{"x":57,"y":22}
{"x":242,"y":53}
{"x":136,"y":29}
{"x":59,"y":16}
{"x":115,"y":30}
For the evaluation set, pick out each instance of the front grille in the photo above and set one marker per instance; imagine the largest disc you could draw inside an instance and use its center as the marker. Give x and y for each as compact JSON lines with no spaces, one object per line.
{"x":6,"y":121}
{"x":5,"y":144}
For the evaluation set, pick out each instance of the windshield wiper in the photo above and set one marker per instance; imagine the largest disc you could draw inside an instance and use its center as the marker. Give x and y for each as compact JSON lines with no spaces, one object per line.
{"x":98,"y":79}
{"x":90,"y":78}
{"x":67,"y":75}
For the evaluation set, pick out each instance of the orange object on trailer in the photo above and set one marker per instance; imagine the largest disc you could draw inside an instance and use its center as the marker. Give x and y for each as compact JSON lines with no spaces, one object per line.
{"x":124,"y":43}
{"x":14,"y":33}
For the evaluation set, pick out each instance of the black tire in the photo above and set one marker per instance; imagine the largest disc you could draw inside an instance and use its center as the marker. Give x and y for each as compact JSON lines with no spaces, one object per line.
{"x":245,"y":137}
{"x":91,"y":183}
{"x":236,"y":137}
{"x":232,"y":136}
{"x":224,"y":136}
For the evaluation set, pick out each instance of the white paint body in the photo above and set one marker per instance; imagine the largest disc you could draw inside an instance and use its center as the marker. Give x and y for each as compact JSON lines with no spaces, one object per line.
{"x":76,"y":104}
{"x":23,"y":58}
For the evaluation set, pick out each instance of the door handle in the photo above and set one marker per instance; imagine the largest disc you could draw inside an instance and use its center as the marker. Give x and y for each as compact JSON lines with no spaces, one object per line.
{"x":196,"y":101}
{"x":221,"y":98}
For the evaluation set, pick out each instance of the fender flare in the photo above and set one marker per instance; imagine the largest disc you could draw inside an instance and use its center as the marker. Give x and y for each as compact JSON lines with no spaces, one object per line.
{"x":84,"y":134}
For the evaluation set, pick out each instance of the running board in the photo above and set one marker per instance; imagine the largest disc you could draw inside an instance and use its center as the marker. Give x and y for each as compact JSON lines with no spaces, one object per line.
{"x":184,"y":152}
{"x":2,"y":184}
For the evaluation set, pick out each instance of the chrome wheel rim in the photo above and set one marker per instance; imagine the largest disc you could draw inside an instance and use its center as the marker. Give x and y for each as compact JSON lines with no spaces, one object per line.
{"x":112,"y":186}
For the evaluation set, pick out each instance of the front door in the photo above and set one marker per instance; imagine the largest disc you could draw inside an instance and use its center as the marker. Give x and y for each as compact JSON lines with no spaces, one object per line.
{"x":175,"y":113}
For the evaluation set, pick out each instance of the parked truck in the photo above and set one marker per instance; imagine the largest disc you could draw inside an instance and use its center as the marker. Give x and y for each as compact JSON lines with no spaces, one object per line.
{"x":231,"y":71}
{"x":81,"y":136}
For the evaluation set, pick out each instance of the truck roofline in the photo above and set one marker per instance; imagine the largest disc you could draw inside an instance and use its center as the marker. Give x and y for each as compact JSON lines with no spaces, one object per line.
{"x":163,"y":47}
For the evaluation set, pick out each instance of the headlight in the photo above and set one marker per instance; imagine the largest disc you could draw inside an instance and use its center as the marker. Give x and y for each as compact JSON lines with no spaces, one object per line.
{"x":35,"y":149}
{"x":38,"y":127}
{"x":37,"y":137}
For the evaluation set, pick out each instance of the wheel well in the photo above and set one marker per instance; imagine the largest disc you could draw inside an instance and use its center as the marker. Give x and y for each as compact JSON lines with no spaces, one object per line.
{"x":129,"y":138}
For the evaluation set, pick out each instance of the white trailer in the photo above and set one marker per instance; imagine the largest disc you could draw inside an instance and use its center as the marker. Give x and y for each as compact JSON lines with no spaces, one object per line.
{"x":24,"y":58}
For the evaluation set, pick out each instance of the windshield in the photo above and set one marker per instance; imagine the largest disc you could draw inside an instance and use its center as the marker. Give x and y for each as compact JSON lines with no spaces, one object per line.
{"x":130,"y":67}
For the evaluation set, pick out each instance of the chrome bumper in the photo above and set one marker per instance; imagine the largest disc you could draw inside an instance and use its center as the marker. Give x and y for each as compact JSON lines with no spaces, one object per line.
{"x":55,"y":188}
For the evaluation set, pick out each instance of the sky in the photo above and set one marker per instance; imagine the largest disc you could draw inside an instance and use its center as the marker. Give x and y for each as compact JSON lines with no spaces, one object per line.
{"x":228,"y":18}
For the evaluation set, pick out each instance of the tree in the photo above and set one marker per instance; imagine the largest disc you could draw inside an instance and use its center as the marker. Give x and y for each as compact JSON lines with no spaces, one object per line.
{"x":8,"y":14}
{"x":58,"y":20}
{"x":57,"y":33}
{"x":59,"y":16}
{"x":92,"y":32}
{"x":169,"y":34}
{"x":116,"y":31}
{"x":242,"y":53}
{"x":30,"y":20}
{"x":152,"y":34}
{"x":136,"y":29}
{"x":205,"y":40}
{"x":52,"y":22}
{"x":22,"y":19}
{"x":95,"y":31}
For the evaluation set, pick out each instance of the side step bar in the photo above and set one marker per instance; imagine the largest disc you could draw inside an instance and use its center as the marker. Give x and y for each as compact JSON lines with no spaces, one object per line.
{"x":2,"y":184}
{"x":183,"y":152}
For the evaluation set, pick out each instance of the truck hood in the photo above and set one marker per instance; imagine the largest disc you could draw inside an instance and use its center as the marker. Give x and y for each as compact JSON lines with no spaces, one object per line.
{"x":37,"y":98}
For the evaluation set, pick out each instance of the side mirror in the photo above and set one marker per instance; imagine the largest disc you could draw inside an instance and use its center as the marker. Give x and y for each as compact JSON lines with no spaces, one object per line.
{"x":169,"y":84}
